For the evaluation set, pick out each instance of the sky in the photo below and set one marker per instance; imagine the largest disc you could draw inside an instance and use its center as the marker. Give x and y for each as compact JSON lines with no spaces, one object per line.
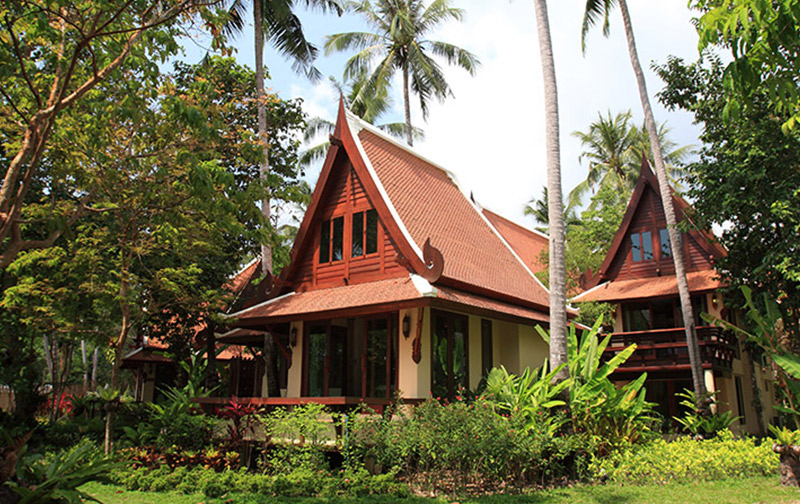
{"x":491,"y":133}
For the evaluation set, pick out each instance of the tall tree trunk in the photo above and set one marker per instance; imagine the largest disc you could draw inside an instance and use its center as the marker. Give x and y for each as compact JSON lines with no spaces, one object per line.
{"x":85,"y":366}
{"x":263,"y":133}
{"x":407,"y":106}
{"x":118,"y":346}
{"x":263,"y":138}
{"x":558,"y":289}
{"x":669,"y":210}
{"x":95,"y":359}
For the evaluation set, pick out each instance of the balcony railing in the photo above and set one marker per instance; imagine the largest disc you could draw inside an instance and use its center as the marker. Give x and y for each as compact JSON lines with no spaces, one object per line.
{"x":666,"y":350}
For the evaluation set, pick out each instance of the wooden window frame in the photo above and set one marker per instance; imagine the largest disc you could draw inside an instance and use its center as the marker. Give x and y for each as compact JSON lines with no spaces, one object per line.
{"x":364,"y":233}
{"x":452,"y":389}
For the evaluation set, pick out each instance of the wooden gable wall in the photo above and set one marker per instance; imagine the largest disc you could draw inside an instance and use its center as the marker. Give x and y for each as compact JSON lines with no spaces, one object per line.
{"x":345,"y":195}
{"x":649,"y":216}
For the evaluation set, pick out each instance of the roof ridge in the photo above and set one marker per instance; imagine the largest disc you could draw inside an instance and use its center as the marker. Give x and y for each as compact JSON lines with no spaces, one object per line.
{"x":362,"y":124}
{"x":536,"y":232}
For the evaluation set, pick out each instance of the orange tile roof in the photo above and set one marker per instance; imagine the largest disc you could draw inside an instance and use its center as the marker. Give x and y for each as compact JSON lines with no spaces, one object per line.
{"x":529,"y":245}
{"x":431,"y":205}
{"x":476,"y":301}
{"x":335,"y":298}
{"x":652,"y":287}
{"x":372,"y":294}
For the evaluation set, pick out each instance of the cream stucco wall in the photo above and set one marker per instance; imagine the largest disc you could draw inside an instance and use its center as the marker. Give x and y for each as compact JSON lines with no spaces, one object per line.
{"x":295,"y":375}
{"x":532,"y":348}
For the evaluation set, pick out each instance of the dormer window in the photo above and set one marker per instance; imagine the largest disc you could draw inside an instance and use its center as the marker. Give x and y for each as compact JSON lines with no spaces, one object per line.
{"x":331,"y":240}
{"x":641,"y":246}
{"x":365,"y":233}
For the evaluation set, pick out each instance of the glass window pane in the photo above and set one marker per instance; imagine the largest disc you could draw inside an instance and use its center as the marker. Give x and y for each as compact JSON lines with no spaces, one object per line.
{"x":336,"y":366}
{"x":358,"y":234}
{"x":440,"y":366}
{"x":459,"y":354}
{"x":317,"y":350}
{"x":647,"y":245}
{"x":663,"y":237}
{"x":377,"y":357}
{"x":636,"y":250}
{"x":372,"y":231}
{"x":486,"y":347}
{"x":637,"y":316}
{"x":338,"y":238}
{"x":325,"y":242}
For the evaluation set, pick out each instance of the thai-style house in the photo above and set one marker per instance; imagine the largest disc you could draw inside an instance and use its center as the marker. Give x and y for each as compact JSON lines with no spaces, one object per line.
{"x":638,"y":278}
{"x":399,"y":284}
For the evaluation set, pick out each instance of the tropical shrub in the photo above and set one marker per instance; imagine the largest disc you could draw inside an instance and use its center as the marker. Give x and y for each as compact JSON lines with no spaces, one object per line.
{"x":452,"y":446}
{"x":300,"y":436}
{"x":700,"y":425}
{"x":687,"y":459}
{"x":57,"y":477}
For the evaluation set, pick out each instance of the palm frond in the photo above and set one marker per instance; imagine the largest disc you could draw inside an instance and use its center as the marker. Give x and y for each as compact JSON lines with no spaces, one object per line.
{"x":594,"y":10}
{"x":398,"y":130}
{"x":456,"y":56}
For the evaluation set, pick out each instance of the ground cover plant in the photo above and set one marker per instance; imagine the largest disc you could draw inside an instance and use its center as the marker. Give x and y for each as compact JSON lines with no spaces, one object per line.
{"x":726,"y":491}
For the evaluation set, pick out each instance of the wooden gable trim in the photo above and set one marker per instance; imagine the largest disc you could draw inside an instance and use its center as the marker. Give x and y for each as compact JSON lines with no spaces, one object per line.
{"x":647,"y":178}
{"x":630,"y":213}
{"x":352,"y":146}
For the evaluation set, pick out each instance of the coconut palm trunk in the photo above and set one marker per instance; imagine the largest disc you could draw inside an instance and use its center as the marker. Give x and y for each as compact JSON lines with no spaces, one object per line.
{"x":669,"y":210}
{"x":407,"y":105}
{"x":263,"y":133}
{"x":558,"y":274}
{"x":270,"y":357}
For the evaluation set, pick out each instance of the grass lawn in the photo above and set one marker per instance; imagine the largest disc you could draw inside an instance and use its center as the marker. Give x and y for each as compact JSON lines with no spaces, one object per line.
{"x":732,"y":491}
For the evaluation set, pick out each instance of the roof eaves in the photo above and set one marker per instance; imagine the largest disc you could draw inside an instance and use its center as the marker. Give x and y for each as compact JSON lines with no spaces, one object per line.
{"x":575,"y":298}
{"x":259,"y":305}
{"x":423,"y":286}
{"x":356,"y":125}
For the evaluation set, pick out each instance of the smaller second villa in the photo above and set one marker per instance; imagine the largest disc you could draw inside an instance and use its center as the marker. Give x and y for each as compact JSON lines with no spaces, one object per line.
{"x":638,"y":278}
{"x":399,"y":284}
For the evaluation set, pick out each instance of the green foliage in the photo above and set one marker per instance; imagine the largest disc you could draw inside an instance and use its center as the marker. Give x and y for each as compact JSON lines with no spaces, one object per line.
{"x":785,"y":436}
{"x":759,"y":36}
{"x":298,"y":482}
{"x":685,"y":460}
{"x":529,"y":397}
{"x":607,"y":416}
{"x":746,"y":182}
{"x":453,"y":445}
{"x":57,"y":477}
{"x":299,"y":438}
{"x":697,"y":424}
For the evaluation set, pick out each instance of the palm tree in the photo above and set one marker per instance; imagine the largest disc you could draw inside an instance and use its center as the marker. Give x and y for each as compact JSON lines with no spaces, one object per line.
{"x":614,"y":147}
{"x":399,"y":41}
{"x":275,"y":22}
{"x":595,"y":9}
{"x":368,"y":108}
{"x":607,"y":146}
{"x":540,"y":208}
{"x":558,"y":272}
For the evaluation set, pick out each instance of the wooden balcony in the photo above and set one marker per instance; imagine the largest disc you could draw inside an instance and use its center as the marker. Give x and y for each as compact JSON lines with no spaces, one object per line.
{"x":666,"y":350}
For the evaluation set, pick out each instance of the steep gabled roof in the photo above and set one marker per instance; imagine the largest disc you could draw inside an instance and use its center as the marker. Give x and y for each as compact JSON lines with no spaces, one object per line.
{"x":647,"y":179}
{"x":528,"y":244}
{"x":418,"y":200}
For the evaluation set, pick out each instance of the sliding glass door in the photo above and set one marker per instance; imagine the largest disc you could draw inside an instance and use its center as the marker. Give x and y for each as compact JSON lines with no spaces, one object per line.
{"x":450,"y":342}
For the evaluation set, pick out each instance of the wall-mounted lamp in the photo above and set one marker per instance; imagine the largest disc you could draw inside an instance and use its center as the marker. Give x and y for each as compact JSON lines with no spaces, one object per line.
{"x":714,"y":300}
{"x":293,"y":336}
{"x":406,"y":326}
